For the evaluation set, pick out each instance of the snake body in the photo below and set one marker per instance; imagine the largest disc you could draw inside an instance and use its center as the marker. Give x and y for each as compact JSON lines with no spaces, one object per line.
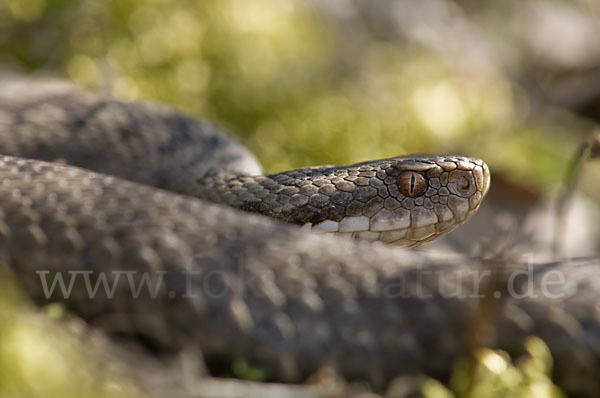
{"x":235,"y":284}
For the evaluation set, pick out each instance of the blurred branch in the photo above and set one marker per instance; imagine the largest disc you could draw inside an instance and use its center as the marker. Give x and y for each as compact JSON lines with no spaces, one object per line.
{"x":590,"y":149}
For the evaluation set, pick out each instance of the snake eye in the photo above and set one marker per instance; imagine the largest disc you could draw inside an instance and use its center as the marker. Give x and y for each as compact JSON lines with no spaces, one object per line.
{"x":411,"y":184}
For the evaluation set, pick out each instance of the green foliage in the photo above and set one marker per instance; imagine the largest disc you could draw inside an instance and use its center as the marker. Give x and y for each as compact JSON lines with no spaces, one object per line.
{"x":40,"y":358}
{"x":491,"y":373}
{"x":242,"y":369}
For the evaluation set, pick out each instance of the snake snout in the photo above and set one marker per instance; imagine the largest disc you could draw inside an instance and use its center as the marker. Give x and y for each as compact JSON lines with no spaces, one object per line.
{"x":486,"y":178}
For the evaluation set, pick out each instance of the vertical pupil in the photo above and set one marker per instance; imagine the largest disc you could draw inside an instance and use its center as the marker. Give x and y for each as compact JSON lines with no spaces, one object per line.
{"x":411,"y":183}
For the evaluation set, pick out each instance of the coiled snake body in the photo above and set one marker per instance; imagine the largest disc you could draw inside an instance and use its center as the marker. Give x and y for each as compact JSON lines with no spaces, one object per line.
{"x":235,"y":284}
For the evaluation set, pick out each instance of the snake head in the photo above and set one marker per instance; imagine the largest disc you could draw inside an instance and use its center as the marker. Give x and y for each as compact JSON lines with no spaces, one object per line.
{"x":422,"y":197}
{"x":406,"y":200}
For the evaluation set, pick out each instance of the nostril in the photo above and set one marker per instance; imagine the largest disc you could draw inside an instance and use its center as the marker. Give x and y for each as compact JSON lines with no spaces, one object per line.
{"x":461,"y":183}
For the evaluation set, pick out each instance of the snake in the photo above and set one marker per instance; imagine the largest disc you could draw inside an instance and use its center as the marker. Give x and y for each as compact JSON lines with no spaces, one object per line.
{"x":161,"y":210}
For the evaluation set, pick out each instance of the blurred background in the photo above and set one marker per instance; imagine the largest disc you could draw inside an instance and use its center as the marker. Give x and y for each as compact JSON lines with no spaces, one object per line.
{"x":516,"y":83}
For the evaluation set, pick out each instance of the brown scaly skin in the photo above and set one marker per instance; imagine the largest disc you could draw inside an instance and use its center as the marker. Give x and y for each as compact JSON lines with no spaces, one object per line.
{"x":241,"y":285}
